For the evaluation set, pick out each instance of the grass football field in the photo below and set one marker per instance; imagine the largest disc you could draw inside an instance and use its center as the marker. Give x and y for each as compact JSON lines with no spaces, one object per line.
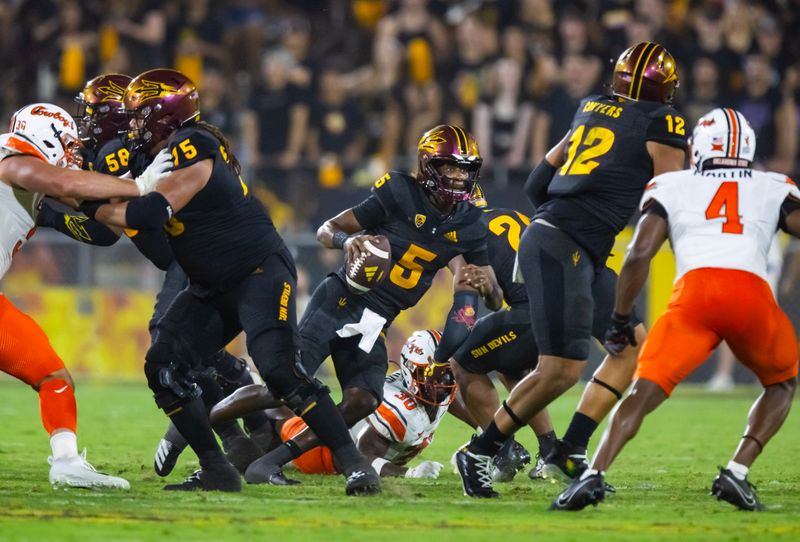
{"x":662,"y":480}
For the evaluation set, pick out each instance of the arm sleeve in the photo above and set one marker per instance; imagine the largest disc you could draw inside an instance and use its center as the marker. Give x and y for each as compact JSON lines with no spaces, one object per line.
{"x":154,"y":246}
{"x":789,"y":205}
{"x":370,"y":212}
{"x":459,"y":323}
{"x":76,"y":225}
{"x":538,"y":181}
{"x":667,"y":126}
{"x":653,"y":206}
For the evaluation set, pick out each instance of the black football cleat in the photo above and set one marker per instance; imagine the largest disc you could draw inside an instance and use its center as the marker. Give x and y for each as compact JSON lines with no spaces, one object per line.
{"x":362,"y":482}
{"x":476,"y":473}
{"x":511,"y":459}
{"x":263,"y":471}
{"x":581,"y":493}
{"x":241,"y":451}
{"x":168,"y":451}
{"x":219,"y":477}
{"x":740,"y":493}
{"x":564,"y":463}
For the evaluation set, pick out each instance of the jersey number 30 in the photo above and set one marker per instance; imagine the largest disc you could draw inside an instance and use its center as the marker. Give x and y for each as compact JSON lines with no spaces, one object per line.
{"x":598,"y":141}
{"x":727,"y":196}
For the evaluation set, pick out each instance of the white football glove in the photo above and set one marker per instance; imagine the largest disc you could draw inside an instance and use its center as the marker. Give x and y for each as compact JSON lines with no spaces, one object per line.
{"x":426,"y":469}
{"x":160,"y":167}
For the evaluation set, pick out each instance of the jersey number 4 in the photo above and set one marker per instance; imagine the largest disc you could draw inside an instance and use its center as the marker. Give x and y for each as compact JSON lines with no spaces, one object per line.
{"x":727,"y":196}
{"x":598,"y":141}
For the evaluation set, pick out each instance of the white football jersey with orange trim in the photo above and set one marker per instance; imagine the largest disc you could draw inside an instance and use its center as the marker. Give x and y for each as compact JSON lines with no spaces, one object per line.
{"x":18,"y":210}
{"x":722,"y":218}
{"x":402,"y":421}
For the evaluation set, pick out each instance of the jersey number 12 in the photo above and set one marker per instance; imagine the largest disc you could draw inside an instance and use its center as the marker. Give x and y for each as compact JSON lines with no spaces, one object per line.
{"x":727,"y":196}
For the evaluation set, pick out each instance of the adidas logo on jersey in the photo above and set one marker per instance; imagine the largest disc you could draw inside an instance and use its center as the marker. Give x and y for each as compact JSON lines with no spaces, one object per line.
{"x":452,"y":236}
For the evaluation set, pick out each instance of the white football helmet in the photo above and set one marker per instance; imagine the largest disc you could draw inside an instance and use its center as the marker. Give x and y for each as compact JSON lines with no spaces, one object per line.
{"x":431,"y":383}
{"x":722,"y":138}
{"x":46,"y":131}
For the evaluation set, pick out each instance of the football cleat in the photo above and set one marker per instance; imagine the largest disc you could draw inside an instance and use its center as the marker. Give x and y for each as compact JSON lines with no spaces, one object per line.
{"x":511,"y":459}
{"x":77,"y":472}
{"x":536,"y":473}
{"x":581,"y":493}
{"x":362,"y":482}
{"x":476,"y":473}
{"x":740,"y":493}
{"x":241,"y":451}
{"x":168,"y":451}
{"x":262,"y":471}
{"x":564,"y":463}
{"x":219,"y":477}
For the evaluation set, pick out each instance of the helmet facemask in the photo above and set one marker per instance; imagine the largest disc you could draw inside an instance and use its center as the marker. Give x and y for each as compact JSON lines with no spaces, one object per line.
{"x":450,"y":188}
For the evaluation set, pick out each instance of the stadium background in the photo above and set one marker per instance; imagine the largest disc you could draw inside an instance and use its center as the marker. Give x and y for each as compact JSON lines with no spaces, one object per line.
{"x":320,"y":98}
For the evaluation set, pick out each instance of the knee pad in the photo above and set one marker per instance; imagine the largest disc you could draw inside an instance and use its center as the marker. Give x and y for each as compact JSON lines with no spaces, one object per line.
{"x":171,"y":388}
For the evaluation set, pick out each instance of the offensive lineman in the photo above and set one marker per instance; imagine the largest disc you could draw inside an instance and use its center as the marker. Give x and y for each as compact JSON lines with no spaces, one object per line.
{"x":720,"y":217}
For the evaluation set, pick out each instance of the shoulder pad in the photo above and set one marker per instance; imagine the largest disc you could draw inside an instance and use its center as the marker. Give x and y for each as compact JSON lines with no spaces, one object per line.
{"x":394,"y":189}
{"x":667,"y":126}
{"x":113,"y":158}
{"x":192,"y":144}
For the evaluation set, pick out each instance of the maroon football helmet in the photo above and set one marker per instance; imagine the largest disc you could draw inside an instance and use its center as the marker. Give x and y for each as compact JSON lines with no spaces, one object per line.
{"x":100,"y":113}
{"x":447,"y":144}
{"x":158,"y":103}
{"x":646,"y":72}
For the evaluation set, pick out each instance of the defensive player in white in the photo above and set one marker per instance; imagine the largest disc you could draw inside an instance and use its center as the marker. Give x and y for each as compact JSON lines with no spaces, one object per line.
{"x":416,"y":398}
{"x":720,"y":217}
{"x":39,"y":156}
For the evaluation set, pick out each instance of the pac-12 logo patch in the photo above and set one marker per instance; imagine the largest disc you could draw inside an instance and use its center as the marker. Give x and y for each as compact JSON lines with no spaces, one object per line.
{"x":419,"y":220}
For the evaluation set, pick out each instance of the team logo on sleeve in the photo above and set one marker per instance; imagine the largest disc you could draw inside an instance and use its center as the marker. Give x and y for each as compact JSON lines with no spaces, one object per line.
{"x":419,"y":220}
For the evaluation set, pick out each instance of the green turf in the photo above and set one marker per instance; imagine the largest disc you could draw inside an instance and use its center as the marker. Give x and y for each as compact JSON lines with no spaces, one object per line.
{"x":662,"y":479}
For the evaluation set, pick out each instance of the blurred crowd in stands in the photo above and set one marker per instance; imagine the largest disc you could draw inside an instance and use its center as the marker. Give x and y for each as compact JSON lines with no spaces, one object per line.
{"x":321,"y":97}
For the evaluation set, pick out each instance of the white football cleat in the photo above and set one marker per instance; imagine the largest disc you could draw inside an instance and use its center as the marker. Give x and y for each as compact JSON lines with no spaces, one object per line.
{"x":75,"y":471}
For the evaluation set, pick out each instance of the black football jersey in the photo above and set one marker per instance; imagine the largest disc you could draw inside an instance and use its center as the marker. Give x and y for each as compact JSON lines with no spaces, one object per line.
{"x":505,"y":227}
{"x":115,"y":158}
{"x":223,"y":233}
{"x":422,"y":240}
{"x":596,"y":192}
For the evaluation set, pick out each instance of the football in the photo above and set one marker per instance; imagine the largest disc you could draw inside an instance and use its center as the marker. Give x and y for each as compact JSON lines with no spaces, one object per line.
{"x":369,"y":270}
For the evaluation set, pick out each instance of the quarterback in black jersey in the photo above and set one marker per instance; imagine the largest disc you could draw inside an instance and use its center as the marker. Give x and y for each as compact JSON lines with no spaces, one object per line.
{"x":241,"y":278}
{"x":428,"y":221}
{"x":101,"y":128}
{"x":585,"y":192}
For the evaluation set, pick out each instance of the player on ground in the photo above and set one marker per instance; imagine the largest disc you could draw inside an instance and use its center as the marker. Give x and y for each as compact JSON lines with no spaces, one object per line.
{"x":102,"y":125}
{"x":41,"y":142}
{"x":502,"y":341}
{"x":585,"y":191}
{"x":241,"y":275}
{"x":428,"y":221}
{"x":720,"y":217}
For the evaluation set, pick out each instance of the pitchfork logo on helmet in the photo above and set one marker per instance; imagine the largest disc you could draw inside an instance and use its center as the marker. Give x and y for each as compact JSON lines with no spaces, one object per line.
{"x":101,"y":116}
{"x":722,"y":138}
{"x":448,"y":144}
{"x":647,"y":72}
{"x":159,"y":102}
{"x":431,"y":383}
{"x":45,"y":131}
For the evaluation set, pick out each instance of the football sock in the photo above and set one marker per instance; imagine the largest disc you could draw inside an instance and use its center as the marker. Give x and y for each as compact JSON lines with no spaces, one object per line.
{"x":326,"y":422}
{"x":489,"y":442}
{"x":738,"y":470}
{"x":64,"y":444}
{"x":546,"y":443}
{"x":192,"y":422}
{"x":57,"y":406}
{"x":580,"y":430}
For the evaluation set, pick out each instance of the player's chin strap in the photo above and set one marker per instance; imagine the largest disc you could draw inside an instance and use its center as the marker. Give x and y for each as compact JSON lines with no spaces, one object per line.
{"x":609,"y":387}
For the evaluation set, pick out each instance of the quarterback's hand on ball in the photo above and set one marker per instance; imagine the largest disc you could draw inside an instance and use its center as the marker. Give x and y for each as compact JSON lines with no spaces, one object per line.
{"x":354,"y":246}
{"x":160,"y":167}
{"x":426,"y":469}
{"x":619,"y":334}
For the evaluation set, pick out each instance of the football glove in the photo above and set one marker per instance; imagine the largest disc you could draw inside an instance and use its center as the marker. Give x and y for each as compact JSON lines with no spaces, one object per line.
{"x":160,"y":167}
{"x":619,"y":334}
{"x":426,"y":469}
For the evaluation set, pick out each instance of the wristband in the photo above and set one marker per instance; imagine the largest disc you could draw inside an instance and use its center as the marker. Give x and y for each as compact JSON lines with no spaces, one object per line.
{"x":378,"y":464}
{"x":339,"y":239}
{"x":620,"y":318}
